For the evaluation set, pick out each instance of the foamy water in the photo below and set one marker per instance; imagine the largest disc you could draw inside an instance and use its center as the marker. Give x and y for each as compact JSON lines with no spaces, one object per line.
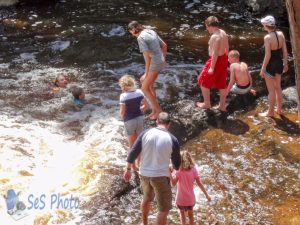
{"x":49,"y":148}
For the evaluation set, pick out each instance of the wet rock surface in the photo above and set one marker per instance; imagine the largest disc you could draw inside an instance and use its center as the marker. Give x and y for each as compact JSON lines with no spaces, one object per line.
{"x":247,"y":163}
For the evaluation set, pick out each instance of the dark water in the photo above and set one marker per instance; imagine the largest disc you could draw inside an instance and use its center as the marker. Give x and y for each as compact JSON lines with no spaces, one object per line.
{"x":83,"y":152}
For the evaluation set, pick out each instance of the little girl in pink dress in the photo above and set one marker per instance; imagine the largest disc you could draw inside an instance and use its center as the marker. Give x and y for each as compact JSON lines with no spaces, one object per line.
{"x":185,"y":196}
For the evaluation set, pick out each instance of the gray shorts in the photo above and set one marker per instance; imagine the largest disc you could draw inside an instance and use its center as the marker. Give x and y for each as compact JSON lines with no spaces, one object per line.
{"x":134,"y":126}
{"x":241,"y":91}
{"x":157,"y":63}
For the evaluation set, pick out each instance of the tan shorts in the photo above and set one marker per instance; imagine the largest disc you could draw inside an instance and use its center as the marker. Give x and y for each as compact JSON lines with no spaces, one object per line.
{"x":160,"y":188}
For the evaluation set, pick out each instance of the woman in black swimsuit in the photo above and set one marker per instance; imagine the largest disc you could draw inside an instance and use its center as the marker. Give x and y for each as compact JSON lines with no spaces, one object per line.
{"x":274,"y":64}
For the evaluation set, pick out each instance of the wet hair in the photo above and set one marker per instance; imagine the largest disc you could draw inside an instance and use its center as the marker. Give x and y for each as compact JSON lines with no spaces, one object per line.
{"x":135,"y":25}
{"x":76,"y":91}
{"x":57,"y":79}
{"x":163,"y":118}
{"x":187,"y":161}
{"x":234,"y":54}
{"x":127,"y":81}
{"x":212,"y":21}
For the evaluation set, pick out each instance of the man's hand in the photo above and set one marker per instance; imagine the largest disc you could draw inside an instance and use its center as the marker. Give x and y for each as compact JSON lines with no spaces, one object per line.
{"x":127,"y":175}
{"x":210,"y":71}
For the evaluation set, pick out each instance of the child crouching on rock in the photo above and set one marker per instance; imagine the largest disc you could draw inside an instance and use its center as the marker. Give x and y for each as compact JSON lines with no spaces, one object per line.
{"x":240,"y":77}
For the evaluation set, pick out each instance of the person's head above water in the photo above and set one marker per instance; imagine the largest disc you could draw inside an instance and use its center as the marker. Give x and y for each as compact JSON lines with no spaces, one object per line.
{"x":60,"y":81}
{"x":135,"y":28}
{"x":78,"y":93}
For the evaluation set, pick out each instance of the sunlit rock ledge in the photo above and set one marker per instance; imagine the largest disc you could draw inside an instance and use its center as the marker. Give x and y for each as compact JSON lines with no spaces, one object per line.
{"x":189,"y":121}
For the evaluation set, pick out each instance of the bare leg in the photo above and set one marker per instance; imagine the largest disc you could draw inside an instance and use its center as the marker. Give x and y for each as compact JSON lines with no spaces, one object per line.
{"x":131,"y":140}
{"x":182,"y":217}
{"x":191,"y":217}
{"x":206,"y":97}
{"x":270,"y":82}
{"x":161,"y":218}
{"x":278,"y":93}
{"x":147,"y":87}
{"x":222,"y":105}
{"x":153,"y":91}
{"x":145,"y":209}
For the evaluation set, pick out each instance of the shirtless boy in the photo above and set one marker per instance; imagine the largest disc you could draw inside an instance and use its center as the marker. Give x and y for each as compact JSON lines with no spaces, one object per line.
{"x":214,"y":73}
{"x":240,"y":78}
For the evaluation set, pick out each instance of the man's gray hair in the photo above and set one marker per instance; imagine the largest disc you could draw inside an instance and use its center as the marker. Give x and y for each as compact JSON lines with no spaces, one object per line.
{"x":163,"y":118}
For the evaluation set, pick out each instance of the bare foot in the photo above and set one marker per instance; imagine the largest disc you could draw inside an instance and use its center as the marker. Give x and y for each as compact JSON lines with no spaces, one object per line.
{"x":265,"y":114}
{"x":153,"y":115}
{"x":221,"y":109}
{"x":202,"y":105}
{"x":278,"y":111}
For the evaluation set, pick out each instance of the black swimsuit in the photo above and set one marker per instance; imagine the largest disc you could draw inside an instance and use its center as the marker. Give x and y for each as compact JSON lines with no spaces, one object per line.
{"x":275,"y":65}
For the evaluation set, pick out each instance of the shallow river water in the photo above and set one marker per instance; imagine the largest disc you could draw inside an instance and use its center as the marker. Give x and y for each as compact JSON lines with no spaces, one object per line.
{"x":51,"y":152}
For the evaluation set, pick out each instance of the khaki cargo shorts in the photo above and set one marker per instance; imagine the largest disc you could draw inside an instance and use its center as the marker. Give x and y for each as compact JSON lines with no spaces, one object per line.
{"x":160,"y":188}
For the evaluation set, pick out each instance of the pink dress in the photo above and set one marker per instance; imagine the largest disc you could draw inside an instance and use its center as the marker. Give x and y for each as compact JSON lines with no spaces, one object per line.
{"x":185,"y":195}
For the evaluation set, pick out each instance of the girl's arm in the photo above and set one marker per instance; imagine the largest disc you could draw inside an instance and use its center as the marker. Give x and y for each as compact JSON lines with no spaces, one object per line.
{"x":173,"y":176}
{"x":285,"y":55}
{"x":147,"y":58}
{"x":122,"y":111}
{"x":232,"y":79}
{"x":267,"y":55}
{"x":202,"y":188}
{"x":164,"y":47}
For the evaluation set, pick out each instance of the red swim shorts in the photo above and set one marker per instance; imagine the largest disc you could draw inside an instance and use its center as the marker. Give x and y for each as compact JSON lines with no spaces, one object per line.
{"x":218,"y":78}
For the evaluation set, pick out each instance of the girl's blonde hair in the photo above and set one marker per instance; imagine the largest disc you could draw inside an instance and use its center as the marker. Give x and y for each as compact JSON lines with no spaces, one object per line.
{"x":127,"y":82}
{"x":187,"y":162}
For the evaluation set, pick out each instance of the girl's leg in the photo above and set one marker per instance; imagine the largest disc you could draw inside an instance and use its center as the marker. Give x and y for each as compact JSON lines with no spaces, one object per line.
{"x":278,"y":93}
{"x":147,"y":90}
{"x":270,"y":82}
{"x":191,"y":217}
{"x":131,"y":140}
{"x":182,"y":216}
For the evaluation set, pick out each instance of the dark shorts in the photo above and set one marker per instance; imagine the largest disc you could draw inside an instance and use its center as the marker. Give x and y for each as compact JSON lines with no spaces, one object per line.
{"x":185,"y":208}
{"x":160,"y":188}
{"x":275,"y":66}
{"x":218,"y":78}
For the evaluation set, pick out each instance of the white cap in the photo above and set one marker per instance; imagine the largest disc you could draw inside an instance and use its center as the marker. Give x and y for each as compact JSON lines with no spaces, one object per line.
{"x":268,"y":20}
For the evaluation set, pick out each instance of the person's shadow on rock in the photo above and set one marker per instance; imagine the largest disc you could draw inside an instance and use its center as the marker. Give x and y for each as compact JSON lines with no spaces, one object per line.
{"x":287,"y":125}
{"x":235,"y":127}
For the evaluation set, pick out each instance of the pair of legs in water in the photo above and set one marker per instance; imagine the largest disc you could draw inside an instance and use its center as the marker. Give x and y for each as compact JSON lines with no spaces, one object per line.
{"x":148,"y":90}
{"x":275,"y":95}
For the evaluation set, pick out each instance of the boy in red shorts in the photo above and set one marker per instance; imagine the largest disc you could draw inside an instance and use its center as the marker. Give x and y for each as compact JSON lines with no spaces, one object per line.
{"x":214,"y":73}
